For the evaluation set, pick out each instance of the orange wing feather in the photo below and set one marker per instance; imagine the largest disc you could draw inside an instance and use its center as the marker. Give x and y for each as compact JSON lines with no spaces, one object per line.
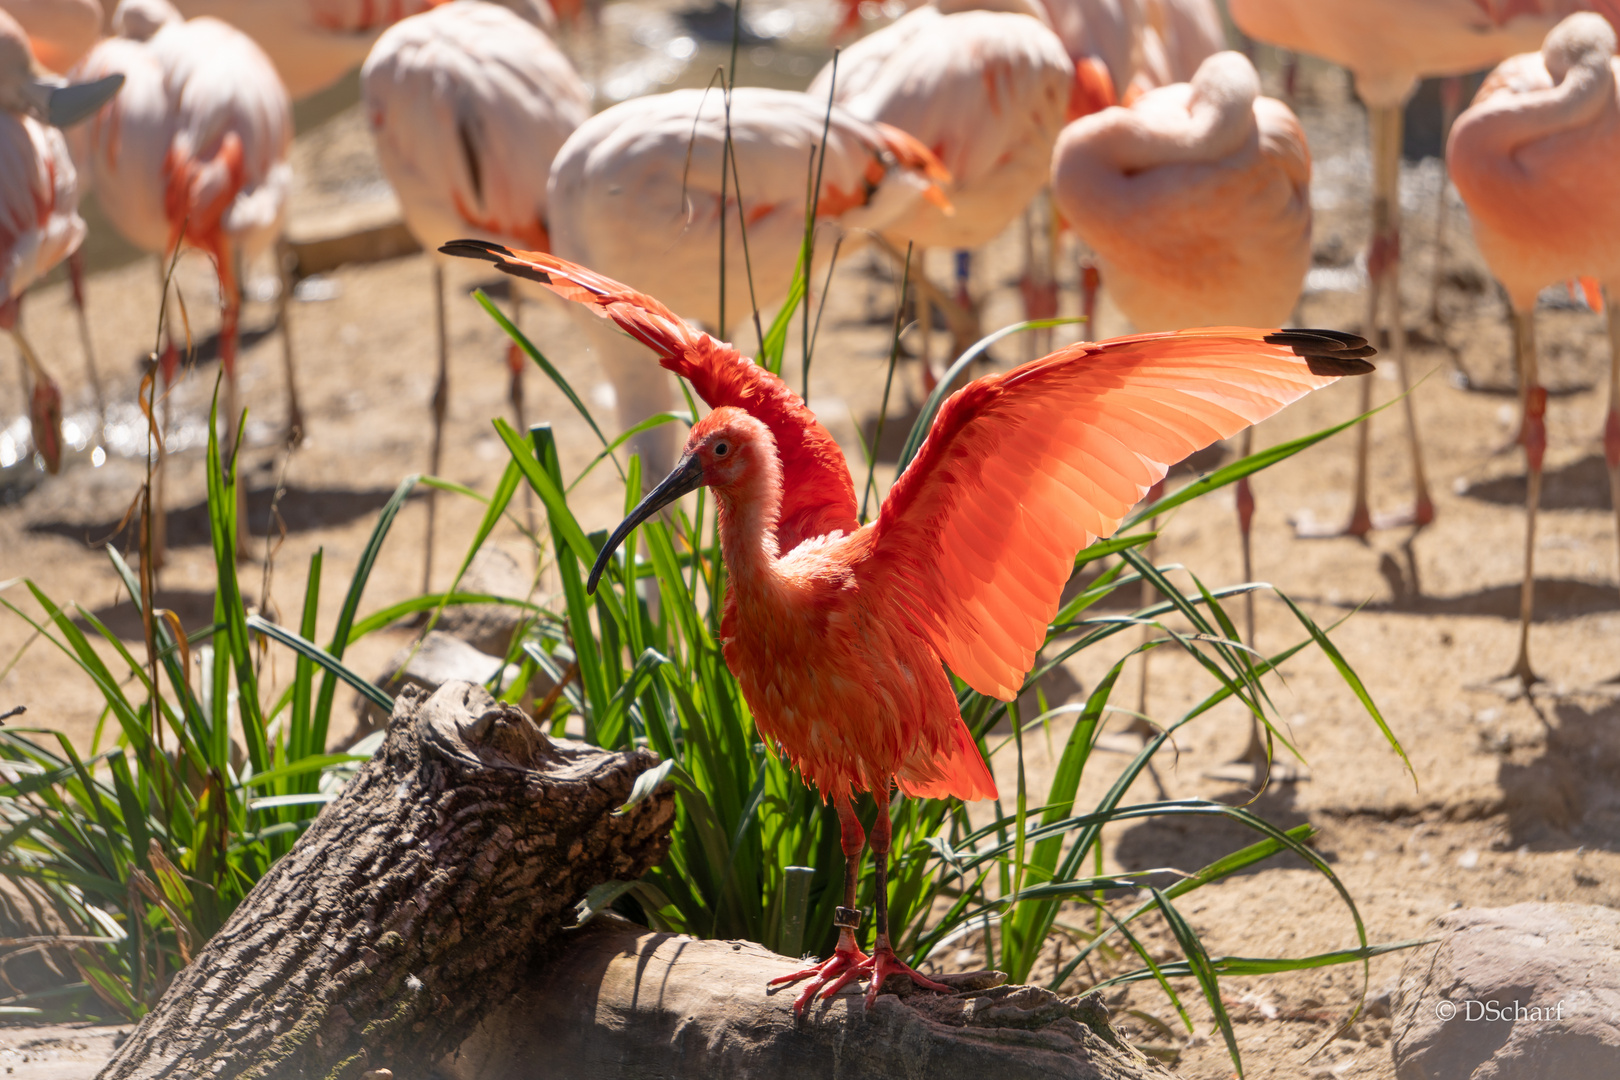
{"x":819,"y":496}
{"x":1022,"y":470}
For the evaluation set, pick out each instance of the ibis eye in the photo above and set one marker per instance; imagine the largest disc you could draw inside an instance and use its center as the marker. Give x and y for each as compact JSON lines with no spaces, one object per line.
{"x":721,"y":449}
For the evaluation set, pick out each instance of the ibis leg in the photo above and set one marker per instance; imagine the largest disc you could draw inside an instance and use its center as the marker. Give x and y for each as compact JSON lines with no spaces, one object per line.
{"x":884,"y":962}
{"x":1533,"y":434}
{"x":847,"y":962}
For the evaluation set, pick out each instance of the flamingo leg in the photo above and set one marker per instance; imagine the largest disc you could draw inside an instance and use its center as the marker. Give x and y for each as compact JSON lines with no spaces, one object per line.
{"x":883,"y":961}
{"x":1533,"y":434}
{"x":285,"y":261}
{"x":925,"y":325}
{"x":441,"y":399}
{"x":1450,"y":105}
{"x":1611,"y":427}
{"x":1383,"y":291}
{"x":75,"y":264}
{"x":44,"y":403}
{"x":845,"y":964}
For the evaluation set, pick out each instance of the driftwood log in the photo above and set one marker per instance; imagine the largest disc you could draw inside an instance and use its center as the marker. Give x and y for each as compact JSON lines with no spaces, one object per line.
{"x":615,"y":1001}
{"x":412,"y":905}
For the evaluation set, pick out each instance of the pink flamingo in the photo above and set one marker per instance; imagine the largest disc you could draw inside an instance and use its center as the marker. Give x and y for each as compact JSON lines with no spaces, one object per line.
{"x":1177,"y":36}
{"x":1196,"y":200}
{"x":987,"y":92}
{"x":840,"y":642}
{"x":194,"y":154}
{"x":39,"y":197}
{"x":1534,"y":159}
{"x":1388,"y":45}
{"x":314,"y":43}
{"x":635,"y":192}
{"x":469,"y":104}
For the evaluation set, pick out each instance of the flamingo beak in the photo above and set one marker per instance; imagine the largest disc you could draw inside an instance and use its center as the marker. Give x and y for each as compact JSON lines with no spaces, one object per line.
{"x":63,"y":104}
{"x":687,"y":478}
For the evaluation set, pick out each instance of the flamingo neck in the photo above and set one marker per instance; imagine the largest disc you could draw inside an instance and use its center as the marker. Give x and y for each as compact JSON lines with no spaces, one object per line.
{"x":750,"y":508}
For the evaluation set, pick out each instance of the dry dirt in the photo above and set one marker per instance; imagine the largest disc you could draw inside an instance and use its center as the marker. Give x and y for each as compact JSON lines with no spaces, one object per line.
{"x":1510,"y":798}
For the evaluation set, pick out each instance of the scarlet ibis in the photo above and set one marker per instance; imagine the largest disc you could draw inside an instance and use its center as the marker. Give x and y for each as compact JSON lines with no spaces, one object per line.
{"x":838,"y":632}
{"x":1388,"y":45}
{"x":1533,"y":159}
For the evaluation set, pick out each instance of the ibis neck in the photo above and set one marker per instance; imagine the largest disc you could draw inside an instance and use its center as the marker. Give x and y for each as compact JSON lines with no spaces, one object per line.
{"x":749,"y":510}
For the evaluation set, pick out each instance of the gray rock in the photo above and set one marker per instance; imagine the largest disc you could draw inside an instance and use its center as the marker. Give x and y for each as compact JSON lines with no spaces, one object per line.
{"x":488,"y":627}
{"x":1517,"y":993}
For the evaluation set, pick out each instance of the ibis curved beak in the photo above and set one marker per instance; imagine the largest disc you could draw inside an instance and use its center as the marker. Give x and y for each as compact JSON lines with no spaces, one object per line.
{"x":687,"y":477}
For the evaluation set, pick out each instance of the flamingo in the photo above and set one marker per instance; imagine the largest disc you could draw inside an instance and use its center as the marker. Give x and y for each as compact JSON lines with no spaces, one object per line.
{"x":1534,"y":160}
{"x":986,"y":91}
{"x":469,"y":104}
{"x":838,"y":632}
{"x":314,"y":43}
{"x":635,"y":192}
{"x":193,"y":153}
{"x":39,"y":220}
{"x":1388,"y":45}
{"x":1196,"y":200}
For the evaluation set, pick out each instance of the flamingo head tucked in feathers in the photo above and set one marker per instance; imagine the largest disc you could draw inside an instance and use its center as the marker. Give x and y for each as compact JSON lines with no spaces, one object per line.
{"x":729,"y":451}
{"x":140,"y":20}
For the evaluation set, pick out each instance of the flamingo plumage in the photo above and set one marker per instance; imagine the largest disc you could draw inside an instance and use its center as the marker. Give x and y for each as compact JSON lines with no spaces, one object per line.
{"x":966,"y":560}
{"x":314,"y":43}
{"x":193,"y":155}
{"x":1533,"y":158}
{"x":469,"y":104}
{"x":39,"y":199}
{"x":1388,"y":45}
{"x":635,"y":192}
{"x":987,"y":92}
{"x":1196,"y":201}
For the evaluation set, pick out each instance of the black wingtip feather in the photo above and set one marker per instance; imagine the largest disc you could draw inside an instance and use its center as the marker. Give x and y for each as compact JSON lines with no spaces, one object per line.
{"x":495,"y":253}
{"x":1327,"y":352}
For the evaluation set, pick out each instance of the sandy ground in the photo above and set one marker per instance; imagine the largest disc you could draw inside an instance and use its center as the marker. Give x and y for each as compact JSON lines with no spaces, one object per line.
{"x":1514,"y":798}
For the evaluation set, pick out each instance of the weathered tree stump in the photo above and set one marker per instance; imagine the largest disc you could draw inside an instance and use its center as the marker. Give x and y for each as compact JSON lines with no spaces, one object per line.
{"x":615,"y":1001}
{"x":411,"y":907}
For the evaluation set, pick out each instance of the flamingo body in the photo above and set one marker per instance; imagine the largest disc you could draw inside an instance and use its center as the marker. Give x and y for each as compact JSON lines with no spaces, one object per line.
{"x":469,"y":104}
{"x":1196,"y":200}
{"x":39,"y":227}
{"x":625,"y":199}
{"x":313,"y":43}
{"x":1389,"y":44}
{"x":986,"y":91}
{"x":1534,"y":160}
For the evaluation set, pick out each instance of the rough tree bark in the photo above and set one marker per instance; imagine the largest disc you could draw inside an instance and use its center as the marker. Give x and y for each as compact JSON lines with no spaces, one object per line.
{"x":411,"y":906}
{"x":614,"y":1001}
